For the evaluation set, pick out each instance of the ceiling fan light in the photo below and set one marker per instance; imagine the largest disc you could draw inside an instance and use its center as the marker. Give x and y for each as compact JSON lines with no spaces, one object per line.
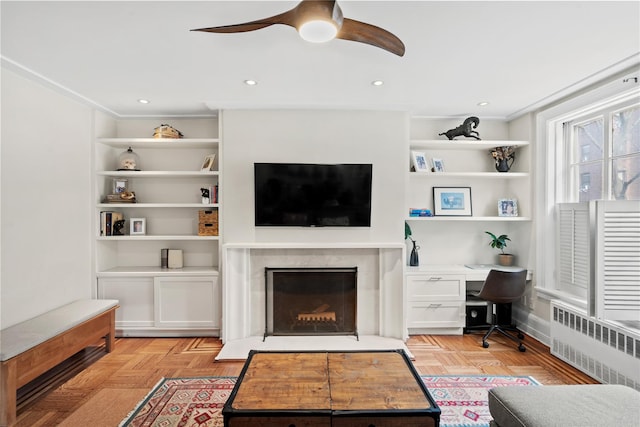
{"x":318,"y":31}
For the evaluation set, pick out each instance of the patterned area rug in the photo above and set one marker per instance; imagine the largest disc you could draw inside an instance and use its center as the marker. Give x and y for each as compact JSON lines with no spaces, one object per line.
{"x":198,"y":402}
{"x":463,"y":400}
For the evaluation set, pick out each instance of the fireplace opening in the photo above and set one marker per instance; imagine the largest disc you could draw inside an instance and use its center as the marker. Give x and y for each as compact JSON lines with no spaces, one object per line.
{"x":311,"y":301}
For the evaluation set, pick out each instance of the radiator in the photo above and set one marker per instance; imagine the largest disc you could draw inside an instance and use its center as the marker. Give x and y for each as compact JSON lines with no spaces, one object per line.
{"x":604,"y":351}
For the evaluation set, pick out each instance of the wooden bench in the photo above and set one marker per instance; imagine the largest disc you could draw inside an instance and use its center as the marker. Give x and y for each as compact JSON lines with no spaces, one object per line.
{"x":30,"y":348}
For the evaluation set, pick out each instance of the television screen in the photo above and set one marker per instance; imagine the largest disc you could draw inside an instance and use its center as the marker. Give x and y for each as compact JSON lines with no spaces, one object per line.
{"x":312,"y":195}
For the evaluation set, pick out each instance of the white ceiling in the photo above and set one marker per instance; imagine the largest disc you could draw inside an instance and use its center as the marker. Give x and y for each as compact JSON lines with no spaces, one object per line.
{"x":516,"y":55}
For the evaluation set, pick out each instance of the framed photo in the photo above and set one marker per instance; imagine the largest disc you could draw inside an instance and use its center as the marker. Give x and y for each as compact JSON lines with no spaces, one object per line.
{"x":207,"y":163}
{"x":138,"y":226}
{"x":120,"y":185}
{"x":438,"y":165}
{"x":419,"y":161}
{"x":507,"y":207}
{"x":452,"y":201}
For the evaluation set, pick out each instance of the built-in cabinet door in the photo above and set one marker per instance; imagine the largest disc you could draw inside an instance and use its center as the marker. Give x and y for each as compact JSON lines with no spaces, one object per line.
{"x":186,"y":302}
{"x":135,"y":296}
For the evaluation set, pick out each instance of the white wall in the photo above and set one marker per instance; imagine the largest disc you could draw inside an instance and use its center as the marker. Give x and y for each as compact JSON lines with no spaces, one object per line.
{"x":45,"y":199}
{"x":318,"y":136}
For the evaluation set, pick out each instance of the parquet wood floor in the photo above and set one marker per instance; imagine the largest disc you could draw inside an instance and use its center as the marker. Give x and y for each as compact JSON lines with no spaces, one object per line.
{"x":95,"y":388}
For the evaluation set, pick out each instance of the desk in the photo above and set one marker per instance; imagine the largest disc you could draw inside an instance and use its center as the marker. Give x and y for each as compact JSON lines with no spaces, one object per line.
{"x":478,"y":273}
{"x":436,"y":296}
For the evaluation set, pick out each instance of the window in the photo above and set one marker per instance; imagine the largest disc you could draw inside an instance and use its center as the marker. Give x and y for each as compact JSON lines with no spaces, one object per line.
{"x":589,"y":150}
{"x":603,"y":154}
{"x":625,"y":158}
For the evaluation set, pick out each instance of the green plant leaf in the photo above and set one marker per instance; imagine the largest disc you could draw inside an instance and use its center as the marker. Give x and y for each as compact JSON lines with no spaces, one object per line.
{"x":407,"y":231}
{"x":498,"y":242}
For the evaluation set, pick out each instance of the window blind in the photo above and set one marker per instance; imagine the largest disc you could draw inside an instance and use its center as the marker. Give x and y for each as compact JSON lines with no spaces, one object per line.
{"x":618,"y":260}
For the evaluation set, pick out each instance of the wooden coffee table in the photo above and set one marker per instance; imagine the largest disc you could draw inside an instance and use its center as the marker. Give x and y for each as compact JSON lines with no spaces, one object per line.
{"x":330,"y":389}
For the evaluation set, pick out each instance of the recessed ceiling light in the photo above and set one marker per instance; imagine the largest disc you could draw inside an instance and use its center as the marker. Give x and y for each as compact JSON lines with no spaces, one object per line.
{"x":143,"y":101}
{"x":483,"y":104}
{"x":250,"y":82}
{"x":377,"y":82}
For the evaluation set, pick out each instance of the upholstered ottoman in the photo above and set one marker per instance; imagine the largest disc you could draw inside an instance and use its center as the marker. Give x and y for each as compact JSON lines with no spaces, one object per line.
{"x":564,"y":405}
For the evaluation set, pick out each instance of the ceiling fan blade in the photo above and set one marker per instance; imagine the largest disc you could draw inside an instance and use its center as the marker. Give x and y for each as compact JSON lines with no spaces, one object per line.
{"x":328,"y":10}
{"x":366,"y":33}
{"x":285,"y":18}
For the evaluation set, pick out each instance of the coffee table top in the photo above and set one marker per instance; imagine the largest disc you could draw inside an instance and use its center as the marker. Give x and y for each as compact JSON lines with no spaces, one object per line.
{"x":330,"y":382}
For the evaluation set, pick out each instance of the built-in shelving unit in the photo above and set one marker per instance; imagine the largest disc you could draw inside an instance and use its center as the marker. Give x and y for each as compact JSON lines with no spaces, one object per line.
{"x":435,"y":292}
{"x":157,"y":301}
{"x":468,"y":163}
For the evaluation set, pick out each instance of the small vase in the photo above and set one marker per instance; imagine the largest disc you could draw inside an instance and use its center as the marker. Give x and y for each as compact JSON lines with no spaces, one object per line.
{"x":504,"y":165}
{"x":413,"y":259}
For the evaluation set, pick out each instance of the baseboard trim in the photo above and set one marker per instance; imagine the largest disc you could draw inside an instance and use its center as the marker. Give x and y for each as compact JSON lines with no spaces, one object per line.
{"x":532,"y":325}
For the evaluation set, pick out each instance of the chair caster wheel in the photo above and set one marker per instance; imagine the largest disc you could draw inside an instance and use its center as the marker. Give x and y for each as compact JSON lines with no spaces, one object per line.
{"x":520,"y":335}
{"x":522,"y":348}
{"x":485,"y":344}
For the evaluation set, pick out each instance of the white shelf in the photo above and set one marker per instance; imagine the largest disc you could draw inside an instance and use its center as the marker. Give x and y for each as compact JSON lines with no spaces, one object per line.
{"x":462,"y":144}
{"x":156,"y":205}
{"x":157,"y":174}
{"x":469,"y":218}
{"x":142,"y":271}
{"x":158,"y":237}
{"x":500,"y":175}
{"x":160,"y":142}
{"x":311,"y":245}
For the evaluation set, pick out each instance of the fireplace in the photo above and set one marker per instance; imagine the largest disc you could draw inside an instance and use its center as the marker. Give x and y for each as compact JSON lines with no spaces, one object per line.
{"x":311,"y":301}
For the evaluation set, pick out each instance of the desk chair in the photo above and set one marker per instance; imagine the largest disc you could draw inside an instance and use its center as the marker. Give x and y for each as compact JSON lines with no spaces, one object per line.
{"x":503,"y":287}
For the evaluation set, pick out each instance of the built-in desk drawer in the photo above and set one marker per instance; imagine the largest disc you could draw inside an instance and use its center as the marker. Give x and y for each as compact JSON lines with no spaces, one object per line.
{"x":435,"y":314}
{"x":435,"y":287}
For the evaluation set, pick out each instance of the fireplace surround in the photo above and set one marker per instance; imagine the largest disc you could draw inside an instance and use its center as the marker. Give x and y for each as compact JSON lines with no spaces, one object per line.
{"x":380,"y":302}
{"x":311,"y":301}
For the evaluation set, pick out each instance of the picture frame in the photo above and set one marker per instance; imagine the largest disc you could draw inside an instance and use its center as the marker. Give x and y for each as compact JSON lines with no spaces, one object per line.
{"x":507,"y":207}
{"x":137,"y":226}
{"x":452,"y":201}
{"x":438,"y":164}
{"x":208,"y":163}
{"x":120,"y":185}
{"x":419,"y":162}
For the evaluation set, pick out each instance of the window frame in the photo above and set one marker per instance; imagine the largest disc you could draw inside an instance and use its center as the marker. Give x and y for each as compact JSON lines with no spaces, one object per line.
{"x":572,"y":160}
{"x":549,"y":181}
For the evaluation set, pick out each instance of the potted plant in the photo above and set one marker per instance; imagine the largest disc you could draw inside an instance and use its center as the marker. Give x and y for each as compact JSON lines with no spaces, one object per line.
{"x":500,"y":242}
{"x":503,"y":157}
{"x":413,"y":258}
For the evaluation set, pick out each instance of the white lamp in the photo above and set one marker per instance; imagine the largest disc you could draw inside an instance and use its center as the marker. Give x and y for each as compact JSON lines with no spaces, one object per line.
{"x":318,"y":31}
{"x":319,"y":21}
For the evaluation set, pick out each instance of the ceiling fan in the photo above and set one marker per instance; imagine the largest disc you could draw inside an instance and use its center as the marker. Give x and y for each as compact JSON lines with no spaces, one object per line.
{"x":320,"y":21}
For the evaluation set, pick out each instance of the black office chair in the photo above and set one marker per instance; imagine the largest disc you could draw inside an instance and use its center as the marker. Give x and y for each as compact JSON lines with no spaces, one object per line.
{"x":503,"y":287}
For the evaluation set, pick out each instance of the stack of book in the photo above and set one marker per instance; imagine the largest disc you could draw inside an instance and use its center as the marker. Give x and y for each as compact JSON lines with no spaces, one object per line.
{"x":213,"y":193}
{"x":108,"y":220}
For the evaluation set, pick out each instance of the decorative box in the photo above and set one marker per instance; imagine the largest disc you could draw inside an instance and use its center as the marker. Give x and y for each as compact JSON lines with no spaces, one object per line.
{"x":208,"y":222}
{"x":167,"y":131}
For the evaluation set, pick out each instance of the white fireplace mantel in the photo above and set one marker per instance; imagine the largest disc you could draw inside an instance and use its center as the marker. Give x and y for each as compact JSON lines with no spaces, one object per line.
{"x":380,"y":282}
{"x":314,"y":245}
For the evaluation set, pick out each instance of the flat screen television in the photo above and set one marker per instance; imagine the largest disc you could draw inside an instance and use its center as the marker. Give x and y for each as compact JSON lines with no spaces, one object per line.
{"x":312,"y":195}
